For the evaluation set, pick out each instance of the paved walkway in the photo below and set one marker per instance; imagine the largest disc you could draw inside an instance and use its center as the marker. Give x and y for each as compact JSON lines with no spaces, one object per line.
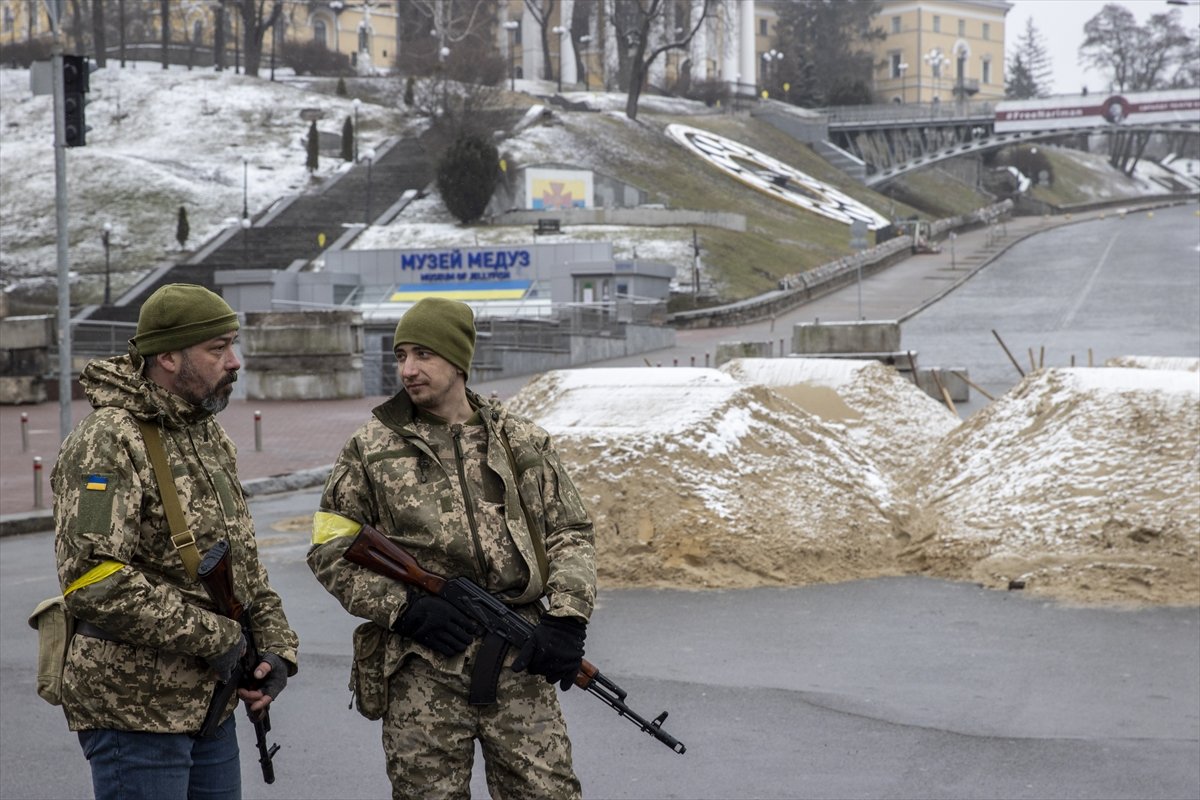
{"x":299,"y":438}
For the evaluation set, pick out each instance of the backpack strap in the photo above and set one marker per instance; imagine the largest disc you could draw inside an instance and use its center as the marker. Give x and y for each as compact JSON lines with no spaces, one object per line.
{"x":181,"y":536}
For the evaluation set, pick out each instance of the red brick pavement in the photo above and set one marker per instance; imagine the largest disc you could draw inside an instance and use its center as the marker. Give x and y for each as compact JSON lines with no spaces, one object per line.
{"x":296,"y":435}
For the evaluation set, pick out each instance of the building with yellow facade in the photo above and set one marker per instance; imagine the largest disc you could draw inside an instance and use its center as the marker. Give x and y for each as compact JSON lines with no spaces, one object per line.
{"x":935,"y":51}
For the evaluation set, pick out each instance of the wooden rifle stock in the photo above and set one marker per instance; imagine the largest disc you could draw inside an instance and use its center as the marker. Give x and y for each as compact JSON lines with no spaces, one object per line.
{"x":216,"y":574}
{"x":376,"y":552}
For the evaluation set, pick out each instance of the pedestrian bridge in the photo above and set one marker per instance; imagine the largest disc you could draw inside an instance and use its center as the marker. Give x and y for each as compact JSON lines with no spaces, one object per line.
{"x":892,"y":140}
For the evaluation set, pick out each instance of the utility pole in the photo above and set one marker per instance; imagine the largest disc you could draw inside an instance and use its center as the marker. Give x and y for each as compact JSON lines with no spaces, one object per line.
{"x":54,"y":9}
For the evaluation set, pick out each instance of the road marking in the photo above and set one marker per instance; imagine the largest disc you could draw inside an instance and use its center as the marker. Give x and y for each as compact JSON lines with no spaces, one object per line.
{"x":1087,"y":287}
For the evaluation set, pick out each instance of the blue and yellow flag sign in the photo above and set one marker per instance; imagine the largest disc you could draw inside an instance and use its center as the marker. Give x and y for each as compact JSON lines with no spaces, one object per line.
{"x":97,"y":483}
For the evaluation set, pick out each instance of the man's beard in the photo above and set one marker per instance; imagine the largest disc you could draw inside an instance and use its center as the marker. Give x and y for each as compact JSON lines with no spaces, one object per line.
{"x":191,"y":386}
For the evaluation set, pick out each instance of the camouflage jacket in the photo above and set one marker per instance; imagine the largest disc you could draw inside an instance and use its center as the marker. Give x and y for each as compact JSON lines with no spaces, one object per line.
{"x":396,"y":476}
{"x":121,"y":573}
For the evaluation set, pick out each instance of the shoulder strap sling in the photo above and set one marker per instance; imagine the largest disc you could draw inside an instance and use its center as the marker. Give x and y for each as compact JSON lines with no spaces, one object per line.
{"x":181,"y":536}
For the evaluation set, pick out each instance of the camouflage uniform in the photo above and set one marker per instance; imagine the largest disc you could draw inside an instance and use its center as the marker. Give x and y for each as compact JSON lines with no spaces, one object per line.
{"x":122,"y":574}
{"x":448,"y":495}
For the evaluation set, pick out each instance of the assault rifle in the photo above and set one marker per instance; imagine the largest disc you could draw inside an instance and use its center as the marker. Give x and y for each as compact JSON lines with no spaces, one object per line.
{"x":373,"y":550}
{"x":216,"y":573}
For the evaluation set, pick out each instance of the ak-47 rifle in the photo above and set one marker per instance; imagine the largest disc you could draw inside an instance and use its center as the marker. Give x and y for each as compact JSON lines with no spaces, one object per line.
{"x":216,"y":574}
{"x":373,"y":550}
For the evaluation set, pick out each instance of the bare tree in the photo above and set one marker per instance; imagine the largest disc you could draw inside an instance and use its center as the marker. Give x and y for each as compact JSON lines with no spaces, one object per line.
{"x":542,"y":11}
{"x":164,"y":13}
{"x":1137,"y":59}
{"x":646,"y":29}
{"x":98,"y":33}
{"x":453,"y":21}
{"x":256,"y":21}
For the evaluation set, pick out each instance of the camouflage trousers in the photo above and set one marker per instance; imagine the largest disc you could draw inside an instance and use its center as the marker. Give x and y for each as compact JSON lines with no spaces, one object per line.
{"x":429,"y":733}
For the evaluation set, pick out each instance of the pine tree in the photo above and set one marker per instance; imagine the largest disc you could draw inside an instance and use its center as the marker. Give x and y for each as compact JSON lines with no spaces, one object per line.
{"x":341,"y":87}
{"x":182,"y":229}
{"x":313,"y":145}
{"x":1033,"y":58}
{"x":408,"y":92}
{"x":348,"y":140}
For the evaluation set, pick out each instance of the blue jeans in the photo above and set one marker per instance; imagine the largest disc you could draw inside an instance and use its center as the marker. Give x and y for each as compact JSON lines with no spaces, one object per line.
{"x":128,"y":765}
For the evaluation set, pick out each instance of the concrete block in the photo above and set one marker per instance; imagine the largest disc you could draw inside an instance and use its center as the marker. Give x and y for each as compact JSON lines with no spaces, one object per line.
{"x":341,"y":385}
{"x":30,"y":361}
{"x":21,"y":333}
{"x":846,"y":337}
{"x":18,"y":389}
{"x":727,"y":351}
{"x":302,"y":333}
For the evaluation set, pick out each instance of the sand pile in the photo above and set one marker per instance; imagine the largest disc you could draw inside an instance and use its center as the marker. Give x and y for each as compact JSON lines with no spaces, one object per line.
{"x":696,"y":480}
{"x":1082,"y":483}
{"x":890,"y":420}
{"x":1155,"y":362}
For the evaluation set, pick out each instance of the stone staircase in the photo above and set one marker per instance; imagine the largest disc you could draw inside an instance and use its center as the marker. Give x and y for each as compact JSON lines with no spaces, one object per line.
{"x":279,"y":239}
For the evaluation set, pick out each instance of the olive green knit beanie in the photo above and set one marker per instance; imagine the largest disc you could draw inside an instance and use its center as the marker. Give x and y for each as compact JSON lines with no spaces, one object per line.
{"x":180,"y":315}
{"x":447,"y":327}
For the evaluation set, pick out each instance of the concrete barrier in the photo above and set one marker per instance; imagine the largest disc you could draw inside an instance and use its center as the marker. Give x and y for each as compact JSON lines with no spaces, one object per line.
{"x":303,"y":355}
{"x":846,"y":337}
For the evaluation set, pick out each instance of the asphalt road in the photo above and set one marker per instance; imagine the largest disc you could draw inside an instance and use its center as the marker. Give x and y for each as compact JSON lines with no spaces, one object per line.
{"x":894,"y":688}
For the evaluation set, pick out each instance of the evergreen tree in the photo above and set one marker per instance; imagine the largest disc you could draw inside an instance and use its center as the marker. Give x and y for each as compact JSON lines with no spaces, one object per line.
{"x":348,"y":140}
{"x":314,"y":141}
{"x":1029,"y":67}
{"x":341,"y":87}
{"x":1019,"y":85}
{"x":182,"y":229}
{"x":409,"y":92}
{"x":467,"y":176}
{"x":826,"y":56}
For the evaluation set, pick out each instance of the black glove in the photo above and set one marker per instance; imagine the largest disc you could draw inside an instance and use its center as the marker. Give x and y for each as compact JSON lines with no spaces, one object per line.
{"x":438,"y":625}
{"x":555,"y":650}
{"x":276,"y":679}
{"x":223,"y":664}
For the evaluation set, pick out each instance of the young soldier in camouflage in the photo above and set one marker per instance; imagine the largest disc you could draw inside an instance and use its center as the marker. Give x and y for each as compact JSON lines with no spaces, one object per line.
{"x":467,"y":489}
{"x":150,"y":644}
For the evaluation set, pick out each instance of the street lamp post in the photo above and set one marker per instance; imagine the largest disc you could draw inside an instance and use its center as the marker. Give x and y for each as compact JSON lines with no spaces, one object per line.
{"x":245,"y":187}
{"x":935,"y":58}
{"x":245,"y":242}
{"x":585,"y":40}
{"x":104,"y":237}
{"x":511,"y":26}
{"x":902,"y":67}
{"x":768,"y":70}
{"x":370,"y":158}
{"x":560,"y":30}
{"x":357,"y":103}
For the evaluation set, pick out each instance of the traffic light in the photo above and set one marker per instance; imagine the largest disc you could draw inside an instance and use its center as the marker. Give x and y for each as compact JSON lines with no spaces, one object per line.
{"x":75,"y":87}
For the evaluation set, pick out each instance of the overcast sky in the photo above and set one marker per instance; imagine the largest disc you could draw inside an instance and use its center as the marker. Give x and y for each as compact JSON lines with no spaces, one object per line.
{"x":1060,"y":23}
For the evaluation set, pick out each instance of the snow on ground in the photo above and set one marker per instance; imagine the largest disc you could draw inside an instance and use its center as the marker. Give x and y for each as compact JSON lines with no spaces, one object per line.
{"x":696,"y":480}
{"x":1083,"y":482}
{"x":159,"y":139}
{"x":892,"y":421}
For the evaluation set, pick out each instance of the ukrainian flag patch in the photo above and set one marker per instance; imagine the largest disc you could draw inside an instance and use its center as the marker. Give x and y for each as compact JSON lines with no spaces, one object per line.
{"x":97,"y":483}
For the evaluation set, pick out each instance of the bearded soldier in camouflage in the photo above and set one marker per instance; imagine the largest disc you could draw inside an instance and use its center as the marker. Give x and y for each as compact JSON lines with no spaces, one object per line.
{"x":150,"y":644}
{"x":468,"y":490}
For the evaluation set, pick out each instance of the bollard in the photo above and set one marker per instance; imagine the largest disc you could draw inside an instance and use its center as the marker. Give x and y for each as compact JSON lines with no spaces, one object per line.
{"x":37,"y":482}
{"x":258,"y":431}
{"x":24,"y":432}
{"x":693,"y":361}
{"x":706,"y":359}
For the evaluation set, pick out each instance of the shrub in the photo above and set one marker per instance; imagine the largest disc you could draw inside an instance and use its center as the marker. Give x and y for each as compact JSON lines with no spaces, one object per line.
{"x":314,"y":145}
{"x":467,"y":175}
{"x":182,"y":229}
{"x":348,"y":140}
{"x":314,"y":58}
